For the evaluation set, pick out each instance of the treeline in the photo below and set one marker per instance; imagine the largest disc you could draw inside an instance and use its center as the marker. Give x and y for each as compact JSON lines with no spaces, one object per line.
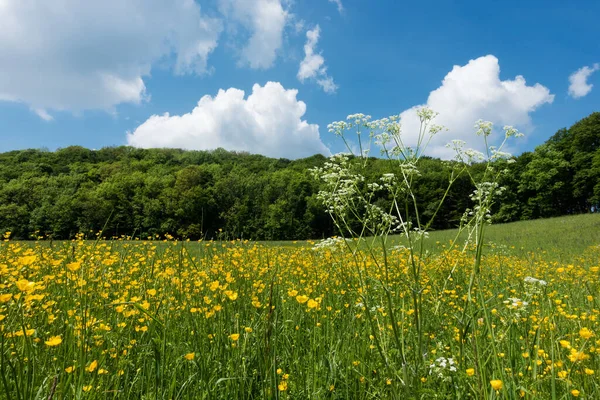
{"x":195,"y":194}
{"x":561,"y":177}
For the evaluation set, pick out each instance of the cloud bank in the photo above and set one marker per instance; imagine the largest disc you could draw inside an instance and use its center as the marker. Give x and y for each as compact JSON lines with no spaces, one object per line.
{"x":269,"y":122}
{"x":77,"y":55}
{"x":471,"y":92}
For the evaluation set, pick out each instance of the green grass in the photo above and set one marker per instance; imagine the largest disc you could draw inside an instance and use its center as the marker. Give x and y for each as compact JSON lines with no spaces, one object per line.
{"x":281,"y":321}
{"x":556,"y":239}
{"x":560,"y":239}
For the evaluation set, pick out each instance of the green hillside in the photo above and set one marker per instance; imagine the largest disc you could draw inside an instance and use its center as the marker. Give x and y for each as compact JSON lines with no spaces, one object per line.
{"x":560,"y":238}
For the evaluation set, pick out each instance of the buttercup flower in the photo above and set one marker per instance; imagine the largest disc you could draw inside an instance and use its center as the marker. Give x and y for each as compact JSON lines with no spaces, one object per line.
{"x":496,"y":384}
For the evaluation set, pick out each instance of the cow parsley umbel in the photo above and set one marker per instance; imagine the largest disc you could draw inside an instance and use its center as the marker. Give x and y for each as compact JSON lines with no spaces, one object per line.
{"x":370,"y":210}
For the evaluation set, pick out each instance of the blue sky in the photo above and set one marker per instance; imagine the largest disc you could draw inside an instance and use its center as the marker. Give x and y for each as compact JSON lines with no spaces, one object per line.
{"x":105,"y":73}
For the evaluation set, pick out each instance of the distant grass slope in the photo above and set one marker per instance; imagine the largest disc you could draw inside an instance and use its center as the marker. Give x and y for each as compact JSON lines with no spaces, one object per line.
{"x":560,"y":239}
{"x":557,"y":239}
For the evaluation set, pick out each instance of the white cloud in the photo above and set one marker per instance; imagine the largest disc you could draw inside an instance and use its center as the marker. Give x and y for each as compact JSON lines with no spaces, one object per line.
{"x":471,"y":92}
{"x":313,"y":64}
{"x":43,"y":114}
{"x":76,"y":55}
{"x":339,"y":5}
{"x":299,"y":26}
{"x":268,"y":122}
{"x":265,"y":20}
{"x":578,"y":81}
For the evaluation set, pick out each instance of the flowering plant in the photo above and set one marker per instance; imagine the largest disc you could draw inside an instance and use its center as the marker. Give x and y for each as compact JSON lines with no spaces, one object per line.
{"x":350,"y":199}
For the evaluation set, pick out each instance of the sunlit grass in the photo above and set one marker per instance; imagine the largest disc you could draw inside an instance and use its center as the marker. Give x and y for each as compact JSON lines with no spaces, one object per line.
{"x":561,"y":238}
{"x":189,"y":320}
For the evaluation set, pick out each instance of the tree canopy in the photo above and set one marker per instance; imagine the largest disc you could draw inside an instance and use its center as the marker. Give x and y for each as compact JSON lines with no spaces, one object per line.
{"x":195,"y":194}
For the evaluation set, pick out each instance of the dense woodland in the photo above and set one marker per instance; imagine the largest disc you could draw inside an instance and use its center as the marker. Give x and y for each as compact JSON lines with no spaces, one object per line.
{"x":194,"y":194}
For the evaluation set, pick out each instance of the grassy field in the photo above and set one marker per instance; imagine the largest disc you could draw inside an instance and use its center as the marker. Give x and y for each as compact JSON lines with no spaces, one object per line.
{"x":561,"y":238}
{"x":229,"y":320}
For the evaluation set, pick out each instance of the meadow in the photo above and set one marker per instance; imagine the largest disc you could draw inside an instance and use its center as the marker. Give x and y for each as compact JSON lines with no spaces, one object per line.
{"x":306,"y":320}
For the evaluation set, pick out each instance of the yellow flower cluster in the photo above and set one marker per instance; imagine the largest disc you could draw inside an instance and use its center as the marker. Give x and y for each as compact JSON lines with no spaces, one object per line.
{"x":215,"y":309}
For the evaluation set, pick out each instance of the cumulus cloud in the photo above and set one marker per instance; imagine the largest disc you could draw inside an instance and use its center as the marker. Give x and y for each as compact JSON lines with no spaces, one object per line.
{"x":471,"y":92}
{"x":579,"y":86}
{"x":265,"y":20}
{"x":268,"y":122}
{"x":76,"y":55}
{"x":313,"y":65}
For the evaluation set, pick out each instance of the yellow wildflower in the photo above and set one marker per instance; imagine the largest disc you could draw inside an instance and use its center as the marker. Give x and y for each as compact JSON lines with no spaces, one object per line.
{"x":92,"y":367}
{"x":231,"y":294}
{"x":283,"y":386}
{"x":577,"y":356}
{"x":5,"y":297}
{"x":585,"y":333}
{"x":74,"y":266}
{"x":24,"y":285}
{"x":53,"y":341}
{"x":302,"y":299}
{"x":565,"y":344}
{"x":562,"y":374}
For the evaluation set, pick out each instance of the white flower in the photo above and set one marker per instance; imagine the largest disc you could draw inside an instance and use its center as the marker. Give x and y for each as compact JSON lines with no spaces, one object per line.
{"x":515,"y":302}
{"x":535,"y":281}
{"x":483,"y":127}
{"x":442,"y":367}
{"x":330,"y":243}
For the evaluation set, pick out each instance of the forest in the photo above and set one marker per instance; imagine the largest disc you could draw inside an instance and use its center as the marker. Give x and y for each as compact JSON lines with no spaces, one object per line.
{"x":150,"y":193}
